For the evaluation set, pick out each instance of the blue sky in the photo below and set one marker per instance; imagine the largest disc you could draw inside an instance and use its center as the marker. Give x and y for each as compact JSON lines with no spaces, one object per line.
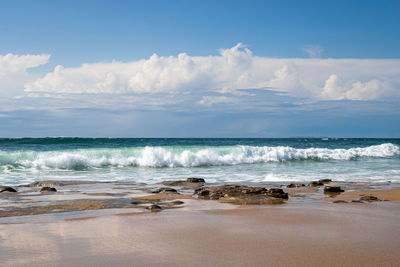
{"x":200,"y":68}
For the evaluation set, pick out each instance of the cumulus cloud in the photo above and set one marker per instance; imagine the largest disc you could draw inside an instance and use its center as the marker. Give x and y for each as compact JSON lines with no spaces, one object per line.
{"x":11,"y":63}
{"x":232,"y":69}
{"x":13,"y":71}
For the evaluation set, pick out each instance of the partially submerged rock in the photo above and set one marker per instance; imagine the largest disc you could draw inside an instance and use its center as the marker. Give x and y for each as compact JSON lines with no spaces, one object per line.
{"x":154,"y":208}
{"x":320,"y":182}
{"x":341,"y":201}
{"x":333,"y":189}
{"x":369,"y":198}
{"x":242,"y":194}
{"x":316,"y":183}
{"x":48,"y":189}
{"x":325,"y":181}
{"x":195,"y":180}
{"x":165,"y":190}
{"x":295,"y":185}
{"x":7,"y":189}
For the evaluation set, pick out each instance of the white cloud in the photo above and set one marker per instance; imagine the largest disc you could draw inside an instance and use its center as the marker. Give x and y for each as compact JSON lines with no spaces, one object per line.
{"x":334,"y":89}
{"x":234,"y":68}
{"x":13,"y":71}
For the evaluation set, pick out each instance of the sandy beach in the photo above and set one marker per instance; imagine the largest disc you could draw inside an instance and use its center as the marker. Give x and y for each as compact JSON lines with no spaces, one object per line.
{"x":308,"y":229}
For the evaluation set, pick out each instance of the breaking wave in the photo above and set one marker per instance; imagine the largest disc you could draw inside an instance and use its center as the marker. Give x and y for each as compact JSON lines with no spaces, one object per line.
{"x":181,"y":156}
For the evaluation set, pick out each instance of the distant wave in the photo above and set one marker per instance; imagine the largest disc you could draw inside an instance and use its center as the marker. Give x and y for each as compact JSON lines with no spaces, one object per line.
{"x":183,"y":156}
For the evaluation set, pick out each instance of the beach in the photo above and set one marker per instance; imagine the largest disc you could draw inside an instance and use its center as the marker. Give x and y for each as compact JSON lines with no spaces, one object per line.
{"x":103,"y":224}
{"x":199,"y":202}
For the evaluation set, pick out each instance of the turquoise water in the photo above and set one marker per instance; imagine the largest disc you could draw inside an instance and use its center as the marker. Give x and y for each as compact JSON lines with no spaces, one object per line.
{"x":218,"y":160}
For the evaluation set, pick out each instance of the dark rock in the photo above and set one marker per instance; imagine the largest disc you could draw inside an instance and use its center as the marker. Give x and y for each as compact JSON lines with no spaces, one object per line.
{"x":48,"y":189}
{"x":316,"y":183}
{"x":177,"y":202}
{"x":369,"y":198}
{"x":278,"y":193}
{"x":154,"y":208}
{"x":333,"y":189}
{"x":204,"y":193}
{"x":7,"y":189}
{"x":295,"y":185}
{"x":135,"y":201}
{"x":255,"y":194}
{"x":340,"y":201}
{"x":356,"y":201}
{"x":165,"y":190}
{"x":195,"y":180}
{"x":325,"y":181}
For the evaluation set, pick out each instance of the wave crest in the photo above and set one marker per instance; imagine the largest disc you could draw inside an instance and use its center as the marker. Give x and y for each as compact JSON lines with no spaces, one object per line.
{"x":157,"y":157}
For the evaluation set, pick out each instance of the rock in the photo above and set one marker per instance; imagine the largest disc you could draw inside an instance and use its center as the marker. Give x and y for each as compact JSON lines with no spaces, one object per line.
{"x":204,"y":193}
{"x":154,"y":208}
{"x":177,"y":202}
{"x":356,"y":201}
{"x":340,"y":201}
{"x":295,"y":185}
{"x":235,"y":192}
{"x":320,"y":182}
{"x":7,"y":189}
{"x":316,"y":183}
{"x":369,"y":198}
{"x":278,"y":193}
{"x":165,"y":190}
{"x":195,"y":180}
{"x":325,"y":181}
{"x":48,"y":189}
{"x":174,"y":203}
{"x":333,"y":189}
{"x":135,"y":201}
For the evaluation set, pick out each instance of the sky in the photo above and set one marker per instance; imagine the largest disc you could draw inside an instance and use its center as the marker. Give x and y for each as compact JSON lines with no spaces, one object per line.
{"x":200,"y":68}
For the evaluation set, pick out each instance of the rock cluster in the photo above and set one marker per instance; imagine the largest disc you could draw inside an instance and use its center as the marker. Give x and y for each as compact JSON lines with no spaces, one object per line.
{"x":239,"y":191}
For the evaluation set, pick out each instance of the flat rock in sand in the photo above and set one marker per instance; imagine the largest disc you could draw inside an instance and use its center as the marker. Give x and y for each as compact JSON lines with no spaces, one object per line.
{"x":242,"y":194}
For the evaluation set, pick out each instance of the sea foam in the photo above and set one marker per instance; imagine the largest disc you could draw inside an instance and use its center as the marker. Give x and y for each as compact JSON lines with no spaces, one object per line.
{"x":184,"y":156}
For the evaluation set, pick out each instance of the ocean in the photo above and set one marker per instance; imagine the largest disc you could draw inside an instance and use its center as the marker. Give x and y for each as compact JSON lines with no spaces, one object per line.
{"x":219,"y":160}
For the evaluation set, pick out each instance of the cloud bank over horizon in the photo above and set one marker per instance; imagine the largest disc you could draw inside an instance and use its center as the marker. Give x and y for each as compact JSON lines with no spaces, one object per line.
{"x":234,"y":68}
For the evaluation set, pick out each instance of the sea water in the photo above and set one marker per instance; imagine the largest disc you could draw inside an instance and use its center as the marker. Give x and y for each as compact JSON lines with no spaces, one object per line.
{"x":25,"y":160}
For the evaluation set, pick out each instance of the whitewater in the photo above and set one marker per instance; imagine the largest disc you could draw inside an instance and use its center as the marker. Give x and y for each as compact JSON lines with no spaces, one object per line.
{"x":217,"y":160}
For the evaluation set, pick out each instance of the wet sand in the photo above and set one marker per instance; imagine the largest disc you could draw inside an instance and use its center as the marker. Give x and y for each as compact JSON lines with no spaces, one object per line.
{"x":308,"y":230}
